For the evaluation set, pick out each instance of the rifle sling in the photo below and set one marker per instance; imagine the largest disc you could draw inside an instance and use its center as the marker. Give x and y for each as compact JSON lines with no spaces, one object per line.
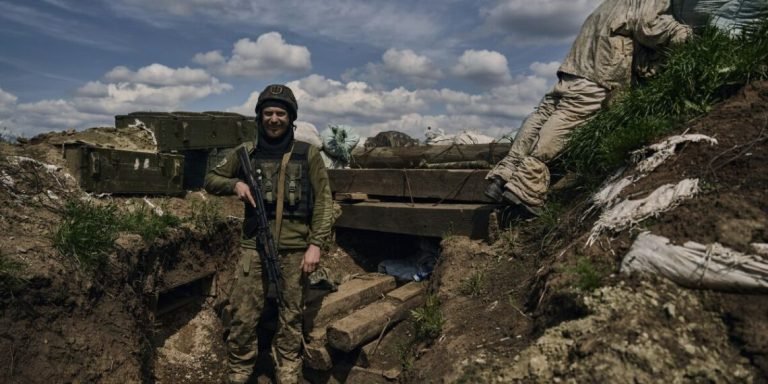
{"x":281,"y":195}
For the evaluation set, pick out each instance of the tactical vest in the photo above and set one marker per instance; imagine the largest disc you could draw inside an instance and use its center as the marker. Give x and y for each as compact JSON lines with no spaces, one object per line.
{"x":297,"y":189}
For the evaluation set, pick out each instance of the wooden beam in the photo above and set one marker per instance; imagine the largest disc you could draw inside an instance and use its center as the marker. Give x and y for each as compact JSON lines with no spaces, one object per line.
{"x":367,"y":323}
{"x":439,"y":184}
{"x":352,"y":294}
{"x":418,"y":219}
{"x":418,"y":157}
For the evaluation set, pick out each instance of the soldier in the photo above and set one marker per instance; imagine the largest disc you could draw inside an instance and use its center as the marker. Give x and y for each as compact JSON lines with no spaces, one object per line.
{"x":301,"y":231}
{"x":618,"y":35}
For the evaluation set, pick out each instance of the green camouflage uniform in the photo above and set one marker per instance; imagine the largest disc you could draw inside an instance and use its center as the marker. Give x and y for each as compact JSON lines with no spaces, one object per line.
{"x":248,"y":295}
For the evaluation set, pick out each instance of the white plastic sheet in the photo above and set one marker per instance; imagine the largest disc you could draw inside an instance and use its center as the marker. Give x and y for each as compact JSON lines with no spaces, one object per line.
{"x":727,"y":15}
{"x":629,"y":212}
{"x":696,"y":265}
{"x":307,"y":133}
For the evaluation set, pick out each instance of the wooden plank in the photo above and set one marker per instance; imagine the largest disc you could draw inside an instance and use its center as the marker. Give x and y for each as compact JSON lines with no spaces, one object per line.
{"x":439,"y":184}
{"x":368,"y":323}
{"x":406,"y":292}
{"x":316,"y":353}
{"x":418,"y":219}
{"x":353,"y":196}
{"x":417,"y":157}
{"x":352,"y":294}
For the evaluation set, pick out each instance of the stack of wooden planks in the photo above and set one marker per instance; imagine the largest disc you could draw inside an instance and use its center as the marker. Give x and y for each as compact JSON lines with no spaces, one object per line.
{"x":355,"y":318}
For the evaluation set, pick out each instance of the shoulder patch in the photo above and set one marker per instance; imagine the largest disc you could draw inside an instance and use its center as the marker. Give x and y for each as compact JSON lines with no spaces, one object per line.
{"x":222,"y":163}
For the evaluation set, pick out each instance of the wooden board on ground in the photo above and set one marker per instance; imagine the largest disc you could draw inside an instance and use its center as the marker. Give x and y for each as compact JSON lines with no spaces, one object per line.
{"x":418,"y":157}
{"x":352,"y":294}
{"x":444,"y":184}
{"x":431,"y":220}
{"x":368,"y":323}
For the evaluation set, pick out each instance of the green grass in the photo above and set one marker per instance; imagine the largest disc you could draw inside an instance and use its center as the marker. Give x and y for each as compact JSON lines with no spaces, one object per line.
{"x":473,"y":285}
{"x":589,"y":275}
{"x":428,"y":320}
{"x":88,"y":230}
{"x":206,"y":215}
{"x":149,"y":225}
{"x":87,"y":233}
{"x":706,"y":70}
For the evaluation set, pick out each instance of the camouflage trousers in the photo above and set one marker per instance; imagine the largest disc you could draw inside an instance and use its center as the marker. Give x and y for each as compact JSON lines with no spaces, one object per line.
{"x":246,"y":303}
{"x":544,"y":134}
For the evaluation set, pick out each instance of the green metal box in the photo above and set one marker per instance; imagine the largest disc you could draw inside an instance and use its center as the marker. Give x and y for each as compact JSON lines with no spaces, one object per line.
{"x":179,"y":131}
{"x":106,"y":170}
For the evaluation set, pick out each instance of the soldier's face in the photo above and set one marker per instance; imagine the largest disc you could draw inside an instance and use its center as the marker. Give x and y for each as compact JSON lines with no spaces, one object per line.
{"x":275,"y":121}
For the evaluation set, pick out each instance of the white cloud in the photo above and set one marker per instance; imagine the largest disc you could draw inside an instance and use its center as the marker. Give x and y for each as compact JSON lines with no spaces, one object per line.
{"x":128,"y":97}
{"x":269,"y":55}
{"x":548,"y":70}
{"x":408,"y":63}
{"x":152,"y":88}
{"x":209,"y":58}
{"x":484,"y":66}
{"x":29,"y":119}
{"x":544,"y":21}
{"x":158,"y":74}
{"x":397,"y":67}
{"x":7,"y":102}
{"x":369,"y":110}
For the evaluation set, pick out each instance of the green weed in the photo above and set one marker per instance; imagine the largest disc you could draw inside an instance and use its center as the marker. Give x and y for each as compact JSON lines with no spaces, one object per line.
{"x":695,"y":75}
{"x":406,"y":354}
{"x":428,"y":320}
{"x":473,"y":286}
{"x":206,"y":215}
{"x":589,"y":276}
{"x":149,"y":225}
{"x":87,"y":233}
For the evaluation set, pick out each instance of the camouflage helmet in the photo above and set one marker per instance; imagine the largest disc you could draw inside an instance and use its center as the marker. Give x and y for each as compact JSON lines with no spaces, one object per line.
{"x":281,"y":94}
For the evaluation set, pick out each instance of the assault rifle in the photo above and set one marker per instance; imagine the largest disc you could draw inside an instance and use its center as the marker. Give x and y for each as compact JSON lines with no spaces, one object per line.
{"x":259,"y":225}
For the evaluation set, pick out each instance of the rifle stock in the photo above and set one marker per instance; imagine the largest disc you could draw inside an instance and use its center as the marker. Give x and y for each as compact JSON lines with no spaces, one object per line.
{"x":258,"y":226}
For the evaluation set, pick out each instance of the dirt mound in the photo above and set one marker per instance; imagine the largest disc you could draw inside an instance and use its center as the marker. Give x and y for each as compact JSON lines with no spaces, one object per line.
{"x":535,"y":319}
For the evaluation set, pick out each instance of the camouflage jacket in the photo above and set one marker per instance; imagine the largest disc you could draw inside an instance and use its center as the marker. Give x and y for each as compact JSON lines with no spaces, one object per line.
{"x":605,"y":47}
{"x":295,"y":234}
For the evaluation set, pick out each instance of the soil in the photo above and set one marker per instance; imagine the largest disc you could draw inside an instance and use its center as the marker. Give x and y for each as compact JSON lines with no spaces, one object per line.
{"x":535,"y":305}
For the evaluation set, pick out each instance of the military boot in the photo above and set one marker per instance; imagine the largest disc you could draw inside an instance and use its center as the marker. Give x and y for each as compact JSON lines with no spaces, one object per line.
{"x":512,"y":199}
{"x":495,"y":189}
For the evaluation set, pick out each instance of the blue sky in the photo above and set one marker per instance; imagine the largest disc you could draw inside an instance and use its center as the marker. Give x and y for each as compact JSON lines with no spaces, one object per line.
{"x":374,"y":65}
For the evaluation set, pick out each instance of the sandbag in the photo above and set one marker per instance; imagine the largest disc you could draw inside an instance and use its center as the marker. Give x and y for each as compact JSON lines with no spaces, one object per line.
{"x":697,"y":265}
{"x":307,"y":133}
{"x":439,"y":137}
{"x":338,"y":142}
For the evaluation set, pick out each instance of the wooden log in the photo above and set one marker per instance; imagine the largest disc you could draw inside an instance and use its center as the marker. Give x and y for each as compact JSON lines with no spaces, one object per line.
{"x":418,"y":157}
{"x":368,"y":323}
{"x":353,"y":294}
{"x":316,"y":353}
{"x":423,"y":219}
{"x":384,"y":351}
{"x":438,"y":184}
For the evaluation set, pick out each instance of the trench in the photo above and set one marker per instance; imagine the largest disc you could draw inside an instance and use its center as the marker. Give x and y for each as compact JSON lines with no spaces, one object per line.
{"x":185,"y":333}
